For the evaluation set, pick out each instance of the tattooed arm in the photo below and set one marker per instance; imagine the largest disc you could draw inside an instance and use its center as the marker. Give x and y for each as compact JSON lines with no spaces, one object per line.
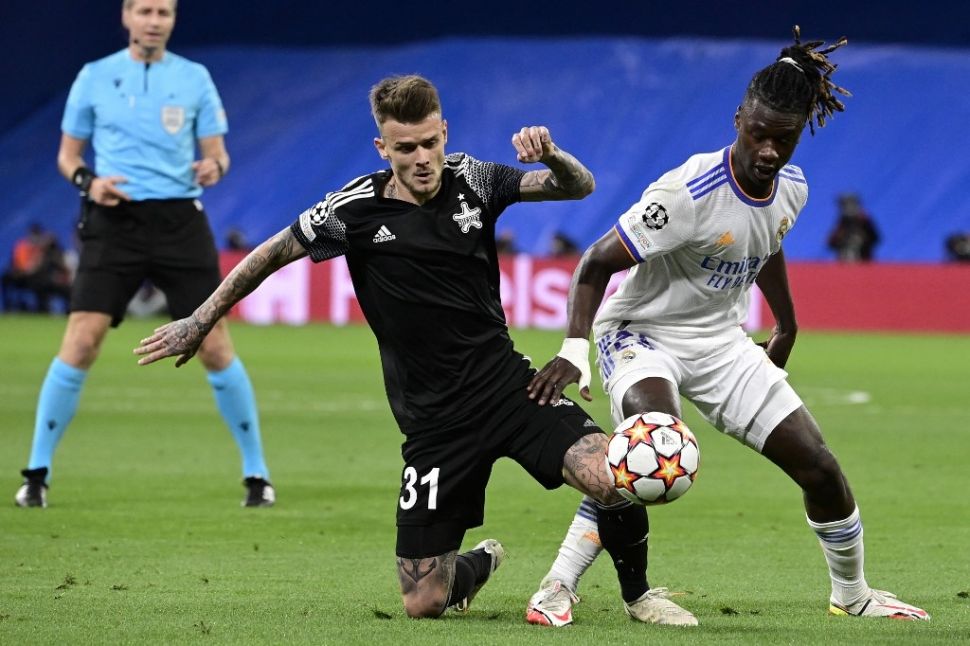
{"x":565,"y":179}
{"x":183,"y":337}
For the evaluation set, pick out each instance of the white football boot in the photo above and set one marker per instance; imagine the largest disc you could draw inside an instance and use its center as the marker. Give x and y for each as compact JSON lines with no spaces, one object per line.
{"x":879,"y":603}
{"x":654,"y":607}
{"x":552,"y":605}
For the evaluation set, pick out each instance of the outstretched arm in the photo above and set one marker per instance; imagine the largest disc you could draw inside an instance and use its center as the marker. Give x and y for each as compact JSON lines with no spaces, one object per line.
{"x":773,"y":283}
{"x":183,"y":337}
{"x":565,"y":178}
{"x":606,"y":257}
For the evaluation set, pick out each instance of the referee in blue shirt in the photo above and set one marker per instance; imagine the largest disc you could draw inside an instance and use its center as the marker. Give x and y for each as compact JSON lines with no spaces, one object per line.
{"x":143,"y":109}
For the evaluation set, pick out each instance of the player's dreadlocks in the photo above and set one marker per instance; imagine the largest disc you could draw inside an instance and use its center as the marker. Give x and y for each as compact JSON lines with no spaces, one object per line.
{"x":798,"y":82}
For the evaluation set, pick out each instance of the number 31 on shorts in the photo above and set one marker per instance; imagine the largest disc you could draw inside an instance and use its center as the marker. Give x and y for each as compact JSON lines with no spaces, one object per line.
{"x":410,"y":493}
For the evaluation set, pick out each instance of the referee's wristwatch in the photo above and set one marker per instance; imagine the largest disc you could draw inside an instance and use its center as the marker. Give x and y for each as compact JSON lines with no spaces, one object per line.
{"x":82,"y":178}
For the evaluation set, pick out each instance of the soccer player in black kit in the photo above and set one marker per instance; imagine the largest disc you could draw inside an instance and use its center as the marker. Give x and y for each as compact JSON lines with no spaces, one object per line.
{"x":419,"y":239}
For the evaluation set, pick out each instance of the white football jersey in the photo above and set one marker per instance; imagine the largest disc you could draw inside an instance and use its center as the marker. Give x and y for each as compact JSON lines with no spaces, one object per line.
{"x":700,"y":242}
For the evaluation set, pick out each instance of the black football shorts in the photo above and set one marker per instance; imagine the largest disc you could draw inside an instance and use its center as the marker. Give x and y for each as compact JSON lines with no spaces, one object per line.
{"x":168,"y":242}
{"x":445,"y":474}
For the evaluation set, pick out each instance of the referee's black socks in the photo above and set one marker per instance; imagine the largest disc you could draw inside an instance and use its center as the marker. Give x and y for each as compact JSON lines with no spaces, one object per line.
{"x":623,"y":530}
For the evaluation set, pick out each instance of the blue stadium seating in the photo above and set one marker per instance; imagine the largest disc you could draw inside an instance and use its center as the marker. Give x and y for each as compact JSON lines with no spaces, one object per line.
{"x":630,"y":108}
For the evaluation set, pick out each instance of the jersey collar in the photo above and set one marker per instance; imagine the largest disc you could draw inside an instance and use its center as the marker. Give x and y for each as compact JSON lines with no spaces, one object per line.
{"x":739,"y":192}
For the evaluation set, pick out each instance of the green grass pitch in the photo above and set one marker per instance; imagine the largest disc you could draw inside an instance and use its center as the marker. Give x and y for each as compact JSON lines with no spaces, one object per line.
{"x":145,"y":542}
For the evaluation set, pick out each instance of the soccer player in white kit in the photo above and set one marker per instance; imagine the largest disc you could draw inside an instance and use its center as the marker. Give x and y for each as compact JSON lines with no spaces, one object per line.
{"x":697,"y":240}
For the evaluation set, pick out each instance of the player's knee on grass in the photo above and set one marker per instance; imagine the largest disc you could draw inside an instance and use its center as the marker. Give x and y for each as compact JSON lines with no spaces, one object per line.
{"x":426,"y":603}
{"x":425,"y":583}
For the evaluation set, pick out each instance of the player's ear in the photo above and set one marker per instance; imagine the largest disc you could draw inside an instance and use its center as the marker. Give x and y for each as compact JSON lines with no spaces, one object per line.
{"x":381,"y":149}
{"x":444,"y":131}
{"x":737,"y":119}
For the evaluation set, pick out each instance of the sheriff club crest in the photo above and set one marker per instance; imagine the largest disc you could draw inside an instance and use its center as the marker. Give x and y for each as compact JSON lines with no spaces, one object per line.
{"x":468,"y":218}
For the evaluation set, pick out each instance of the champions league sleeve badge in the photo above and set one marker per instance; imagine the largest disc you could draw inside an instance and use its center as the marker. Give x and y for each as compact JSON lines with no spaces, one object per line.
{"x":318,"y":213}
{"x":314,"y":216}
{"x":655,"y":216}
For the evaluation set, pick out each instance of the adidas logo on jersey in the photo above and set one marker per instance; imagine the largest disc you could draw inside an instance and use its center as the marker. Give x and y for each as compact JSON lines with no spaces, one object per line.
{"x":384,"y":235}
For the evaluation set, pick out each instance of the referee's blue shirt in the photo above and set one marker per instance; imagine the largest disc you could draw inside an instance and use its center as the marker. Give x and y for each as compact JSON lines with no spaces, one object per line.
{"x":143,"y":121}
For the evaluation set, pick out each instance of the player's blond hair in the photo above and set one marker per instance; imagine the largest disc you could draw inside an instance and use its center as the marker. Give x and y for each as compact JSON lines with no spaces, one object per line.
{"x":406,"y":99}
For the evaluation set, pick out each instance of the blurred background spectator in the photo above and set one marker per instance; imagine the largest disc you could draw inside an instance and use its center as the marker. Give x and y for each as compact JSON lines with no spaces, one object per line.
{"x":37,"y":273}
{"x":613,"y":62}
{"x":958,"y":247}
{"x":855,"y":235}
{"x":505,"y":242}
{"x":563,"y":246}
{"x":236,"y":240}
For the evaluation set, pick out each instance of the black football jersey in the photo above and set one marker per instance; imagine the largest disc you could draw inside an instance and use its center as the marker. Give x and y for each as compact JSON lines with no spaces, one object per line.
{"x":427,"y":280}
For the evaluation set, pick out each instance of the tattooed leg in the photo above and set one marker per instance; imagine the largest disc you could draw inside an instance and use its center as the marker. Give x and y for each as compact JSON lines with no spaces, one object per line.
{"x":426,"y":584}
{"x":584,"y":468}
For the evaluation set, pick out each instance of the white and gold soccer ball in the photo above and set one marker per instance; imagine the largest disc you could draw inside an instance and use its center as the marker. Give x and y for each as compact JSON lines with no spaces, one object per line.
{"x":653,"y":458}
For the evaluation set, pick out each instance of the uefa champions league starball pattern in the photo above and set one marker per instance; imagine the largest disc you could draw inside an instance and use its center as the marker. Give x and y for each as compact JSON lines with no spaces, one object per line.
{"x":653,"y":458}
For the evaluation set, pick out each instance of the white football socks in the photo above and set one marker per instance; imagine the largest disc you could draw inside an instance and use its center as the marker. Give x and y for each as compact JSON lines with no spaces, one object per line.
{"x":579,"y":548}
{"x":841,"y":543}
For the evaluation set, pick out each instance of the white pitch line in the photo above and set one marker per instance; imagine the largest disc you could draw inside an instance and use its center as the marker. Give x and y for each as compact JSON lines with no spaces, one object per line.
{"x":834,"y":397}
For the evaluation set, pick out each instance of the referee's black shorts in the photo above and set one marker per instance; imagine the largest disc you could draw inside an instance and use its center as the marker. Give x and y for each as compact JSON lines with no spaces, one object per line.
{"x":445,"y":474}
{"x":168,"y":242}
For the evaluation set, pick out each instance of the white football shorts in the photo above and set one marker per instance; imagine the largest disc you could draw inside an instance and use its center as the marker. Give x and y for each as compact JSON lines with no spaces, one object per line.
{"x":730,"y":380}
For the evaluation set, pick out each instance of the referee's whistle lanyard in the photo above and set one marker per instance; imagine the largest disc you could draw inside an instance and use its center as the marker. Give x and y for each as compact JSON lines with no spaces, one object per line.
{"x":86,"y":202}
{"x":86,"y":205}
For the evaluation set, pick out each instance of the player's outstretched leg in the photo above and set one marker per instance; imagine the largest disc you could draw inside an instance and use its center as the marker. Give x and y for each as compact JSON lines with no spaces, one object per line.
{"x":623,"y":530}
{"x":475,"y":567}
{"x":618,"y":526}
{"x":796,"y":446}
